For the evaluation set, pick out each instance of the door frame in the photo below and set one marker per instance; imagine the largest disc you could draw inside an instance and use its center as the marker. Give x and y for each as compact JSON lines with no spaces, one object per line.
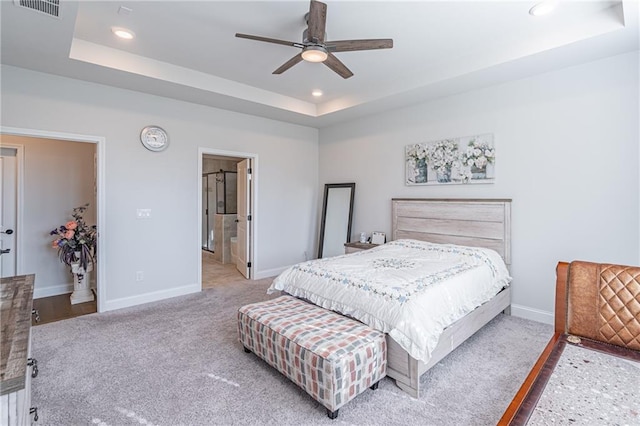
{"x":100,"y":142}
{"x":254,"y":205}
{"x":19,"y":203}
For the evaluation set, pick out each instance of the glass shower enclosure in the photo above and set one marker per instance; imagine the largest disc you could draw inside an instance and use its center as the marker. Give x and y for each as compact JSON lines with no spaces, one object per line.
{"x":219,"y":196}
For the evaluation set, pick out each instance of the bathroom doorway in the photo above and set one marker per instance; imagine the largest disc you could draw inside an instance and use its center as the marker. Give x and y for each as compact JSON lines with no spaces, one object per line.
{"x":221,"y":196}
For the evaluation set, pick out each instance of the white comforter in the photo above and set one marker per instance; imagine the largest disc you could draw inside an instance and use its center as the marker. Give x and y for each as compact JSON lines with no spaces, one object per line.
{"x":410,"y":289}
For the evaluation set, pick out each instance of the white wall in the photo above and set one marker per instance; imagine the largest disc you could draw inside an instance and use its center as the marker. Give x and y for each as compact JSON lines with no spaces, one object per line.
{"x":567,"y":154}
{"x":58,"y":176}
{"x":167,"y":245}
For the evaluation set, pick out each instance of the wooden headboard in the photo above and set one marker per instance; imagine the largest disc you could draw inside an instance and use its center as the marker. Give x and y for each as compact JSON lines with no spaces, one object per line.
{"x":466,"y":222}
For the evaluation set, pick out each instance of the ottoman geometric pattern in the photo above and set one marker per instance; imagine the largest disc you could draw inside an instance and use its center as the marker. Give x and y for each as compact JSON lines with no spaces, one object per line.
{"x":332,"y":357}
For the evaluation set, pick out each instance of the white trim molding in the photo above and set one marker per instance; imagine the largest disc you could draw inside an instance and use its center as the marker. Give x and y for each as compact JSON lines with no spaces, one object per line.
{"x":532,"y":314}
{"x":267,"y":273}
{"x":125,"y":302}
{"x":54,"y":290}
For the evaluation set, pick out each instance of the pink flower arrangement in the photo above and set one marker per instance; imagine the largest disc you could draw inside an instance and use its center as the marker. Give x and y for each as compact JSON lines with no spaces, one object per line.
{"x":75,"y":240}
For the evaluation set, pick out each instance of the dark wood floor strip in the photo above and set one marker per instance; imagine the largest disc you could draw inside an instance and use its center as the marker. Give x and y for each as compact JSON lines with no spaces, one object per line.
{"x":56,"y":308}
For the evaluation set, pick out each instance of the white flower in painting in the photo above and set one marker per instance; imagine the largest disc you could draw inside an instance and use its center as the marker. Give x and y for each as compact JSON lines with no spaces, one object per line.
{"x":464,"y":173}
{"x":478,"y":154}
{"x":416,"y":152}
{"x":416,"y":160}
{"x":442,"y":154}
{"x":481,"y":162}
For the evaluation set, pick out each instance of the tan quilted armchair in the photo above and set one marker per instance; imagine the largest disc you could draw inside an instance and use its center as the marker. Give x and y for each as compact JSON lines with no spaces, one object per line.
{"x":600,"y":302}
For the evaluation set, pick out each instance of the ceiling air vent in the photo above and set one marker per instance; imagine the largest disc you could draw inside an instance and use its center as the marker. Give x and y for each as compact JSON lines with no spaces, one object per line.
{"x":48,"y":7}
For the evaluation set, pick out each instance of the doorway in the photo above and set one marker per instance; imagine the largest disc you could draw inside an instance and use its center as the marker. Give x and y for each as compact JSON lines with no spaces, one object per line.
{"x":227,"y":185}
{"x":10,"y":168}
{"x":29,"y":204}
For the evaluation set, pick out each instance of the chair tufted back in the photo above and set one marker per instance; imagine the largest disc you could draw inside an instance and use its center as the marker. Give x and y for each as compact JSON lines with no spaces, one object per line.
{"x":603,"y":303}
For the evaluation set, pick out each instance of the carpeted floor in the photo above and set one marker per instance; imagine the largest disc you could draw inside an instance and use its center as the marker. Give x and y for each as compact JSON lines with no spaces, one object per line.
{"x":178,"y":362}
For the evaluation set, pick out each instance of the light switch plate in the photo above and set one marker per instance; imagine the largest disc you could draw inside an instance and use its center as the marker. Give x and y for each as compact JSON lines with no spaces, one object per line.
{"x":143,"y":213}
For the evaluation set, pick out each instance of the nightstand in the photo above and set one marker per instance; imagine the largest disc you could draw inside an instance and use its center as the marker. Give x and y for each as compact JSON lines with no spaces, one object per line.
{"x":354,"y":247}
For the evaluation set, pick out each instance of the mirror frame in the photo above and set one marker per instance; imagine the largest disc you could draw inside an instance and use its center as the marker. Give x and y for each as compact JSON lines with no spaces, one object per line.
{"x":327,"y":188}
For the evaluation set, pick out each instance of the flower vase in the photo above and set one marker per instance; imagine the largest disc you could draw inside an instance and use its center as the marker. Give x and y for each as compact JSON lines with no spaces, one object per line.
{"x":444,"y":175}
{"x":421,"y":171}
{"x":81,"y":290}
{"x":478,"y":172}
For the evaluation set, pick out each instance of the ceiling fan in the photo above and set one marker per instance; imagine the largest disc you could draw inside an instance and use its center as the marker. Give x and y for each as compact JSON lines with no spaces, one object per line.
{"x":316,"y":49}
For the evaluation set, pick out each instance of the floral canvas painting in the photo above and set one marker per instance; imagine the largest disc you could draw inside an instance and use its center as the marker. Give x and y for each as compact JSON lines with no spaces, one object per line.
{"x":464,"y":160}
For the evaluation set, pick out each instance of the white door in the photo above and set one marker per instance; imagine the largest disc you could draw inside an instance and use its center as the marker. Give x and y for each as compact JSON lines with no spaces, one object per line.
{"x":8,"y":190}
{"x":243,"y":262}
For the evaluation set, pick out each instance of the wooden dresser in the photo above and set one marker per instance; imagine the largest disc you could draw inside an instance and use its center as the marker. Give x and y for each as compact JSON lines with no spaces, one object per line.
{"x":16,"y":367}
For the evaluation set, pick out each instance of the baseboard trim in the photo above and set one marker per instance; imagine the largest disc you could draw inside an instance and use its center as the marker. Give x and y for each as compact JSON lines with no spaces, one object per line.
{"x":155,"y":296}
{"x":267,"y":273}
{"x":54,"y":290}
{"x":532,"y":314}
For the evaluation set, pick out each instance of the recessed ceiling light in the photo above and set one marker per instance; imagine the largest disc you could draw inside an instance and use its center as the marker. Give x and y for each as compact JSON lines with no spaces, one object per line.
{"x":123,"y":33}
{"x":317,"y":93}
{"x":542,"y":8}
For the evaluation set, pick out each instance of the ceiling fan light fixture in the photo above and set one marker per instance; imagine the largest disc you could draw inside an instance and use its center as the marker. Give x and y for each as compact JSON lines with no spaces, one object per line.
{"x":314,"y":54}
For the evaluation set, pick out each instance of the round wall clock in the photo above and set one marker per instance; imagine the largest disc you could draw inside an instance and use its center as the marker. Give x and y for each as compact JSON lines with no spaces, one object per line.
{"x":154,"y":138}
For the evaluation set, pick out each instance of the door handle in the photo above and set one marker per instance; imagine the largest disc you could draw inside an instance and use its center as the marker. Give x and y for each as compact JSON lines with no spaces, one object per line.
{"x":8,"y":231}
{"x":5,"y":251}
{"x":32,"y":362}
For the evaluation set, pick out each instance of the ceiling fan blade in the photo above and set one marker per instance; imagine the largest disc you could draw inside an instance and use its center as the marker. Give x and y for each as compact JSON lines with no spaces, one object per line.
{"x":291,"y":62}
{"x":337,"y":66}
{"x":352,"y":45}
{"x":317,"y":21}
{"x":270,"y":40}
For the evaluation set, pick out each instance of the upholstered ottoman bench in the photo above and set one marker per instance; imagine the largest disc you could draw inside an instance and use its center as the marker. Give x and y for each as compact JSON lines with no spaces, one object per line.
{"x":331,"y":357}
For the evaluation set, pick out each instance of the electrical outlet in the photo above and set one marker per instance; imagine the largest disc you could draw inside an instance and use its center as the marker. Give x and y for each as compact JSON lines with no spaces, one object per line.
{"x":139,"y":276}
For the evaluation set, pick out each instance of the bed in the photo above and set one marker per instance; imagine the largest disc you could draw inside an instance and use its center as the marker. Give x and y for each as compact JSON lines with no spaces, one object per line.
{"x":455,"y":247}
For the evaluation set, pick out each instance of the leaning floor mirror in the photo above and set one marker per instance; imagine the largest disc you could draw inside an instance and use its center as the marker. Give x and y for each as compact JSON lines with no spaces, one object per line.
{"x":335,"y":224}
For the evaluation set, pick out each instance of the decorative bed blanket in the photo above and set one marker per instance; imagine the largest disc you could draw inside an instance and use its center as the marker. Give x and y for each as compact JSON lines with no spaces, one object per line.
{"x":410,"y":289}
